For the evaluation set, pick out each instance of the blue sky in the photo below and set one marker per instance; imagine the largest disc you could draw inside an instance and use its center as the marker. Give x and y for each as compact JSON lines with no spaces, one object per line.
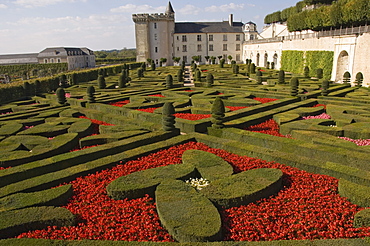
{"x":29,"y":26}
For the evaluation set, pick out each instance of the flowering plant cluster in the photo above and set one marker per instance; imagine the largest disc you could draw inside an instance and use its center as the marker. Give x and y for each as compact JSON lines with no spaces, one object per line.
{"x":198,"y":184}
{"x":233,"y":108}
{"x":156,"y":95}
{"x":267,"y":127}
{"x":358,"y":142}
{"x":308,"y":207}
{"x":189,"y":116}
{"x":320,"y":116}
{"x":264,"y":100}
{"x":148,"y":110}
{"x":120,"y":103}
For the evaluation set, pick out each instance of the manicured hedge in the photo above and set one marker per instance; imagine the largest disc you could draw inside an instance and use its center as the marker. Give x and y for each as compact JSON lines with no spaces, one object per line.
{"x":356,"y":193}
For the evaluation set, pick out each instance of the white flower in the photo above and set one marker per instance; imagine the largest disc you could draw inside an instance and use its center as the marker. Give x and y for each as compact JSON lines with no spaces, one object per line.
{"x":197,"y":183}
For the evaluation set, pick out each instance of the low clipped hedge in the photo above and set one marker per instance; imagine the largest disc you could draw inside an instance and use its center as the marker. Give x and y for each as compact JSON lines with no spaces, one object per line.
{"x":50,"y":197}
{"x":15,"y":222}
{"x":356,"y":193}
{"x":186,"y":214}
{"x":362,"y":218}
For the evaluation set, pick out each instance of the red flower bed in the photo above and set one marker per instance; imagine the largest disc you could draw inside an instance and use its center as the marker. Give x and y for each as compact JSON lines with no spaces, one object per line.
{"x":318,"y":105}
{"x":308,"y":207}
{"x":156,"y":95}
{"x":148,"y":110}
{"x":233,"y":108}
{"x":264,"y":100}
{"x":268,"y":127}
{"x":189,"y":116}
{"x":120,"y":103}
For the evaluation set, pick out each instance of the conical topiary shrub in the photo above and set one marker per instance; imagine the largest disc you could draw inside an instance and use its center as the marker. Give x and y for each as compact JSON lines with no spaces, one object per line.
{"x":294,"y":83}
{"x":259,"y":80}
{"x":281,"y":78}
{"x":209,"y":80}
{"x":168,"y":120}
{"x":152,"y":65}
{"x":359,"y":79}
{"x":324,"y":87}
{"x":252,"y":68}
{"x":218,"y":113}
{"x":122,"y":81}
{"x":198,"y":75}
{"x":169,"y":81}
{"x":180,"y":75}
{"x":319,"y":73}
{"x":306,"y":72}
{"x":61,"y":96}
{"x":346,"y":77}
{"x":101,"y":82}
{"x":27,"y":88}
{"x":90,"y":94}
{"x":63,"y":81}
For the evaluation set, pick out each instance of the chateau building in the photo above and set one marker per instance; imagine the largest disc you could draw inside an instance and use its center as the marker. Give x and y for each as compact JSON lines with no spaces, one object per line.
{"x":74,"y":57}
{"x":159,"y":36}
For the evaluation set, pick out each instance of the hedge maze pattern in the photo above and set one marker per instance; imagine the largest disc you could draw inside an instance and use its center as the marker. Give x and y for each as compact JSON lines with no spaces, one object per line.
{"x":47,"y":142}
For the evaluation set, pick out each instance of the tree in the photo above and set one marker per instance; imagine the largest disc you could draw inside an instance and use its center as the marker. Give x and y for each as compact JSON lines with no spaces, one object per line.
{"x":168,"y":120}
{"x":195,"y":58}
{"x":152,"y":65}
{"x":209,"y":80}
{"x":90,"y":94}
{"x":207,"y":58}
{"x":222,"y":62}
{"x":180,"y":75}
{"x":319,"y":73}
{"x":176,"y":59}
{"x":169,"y":81}
{"x":230,"y":58}
{"x":61,"y":95}
{"x":101,"y":82}
{"x":162,"y":60}
{"x":294,"y":83}
{"x":324,"y":87}
{"x":281,"y":78}
{"x":346,"y":77}
{"x":213,"y":59}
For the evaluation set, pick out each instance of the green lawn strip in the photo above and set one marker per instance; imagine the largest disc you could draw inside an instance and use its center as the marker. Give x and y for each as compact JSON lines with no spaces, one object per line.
{"x":309,"y":164}
{"x":47,"y":242}
{"x":50,"y":197}
{"x":69,"y":159}
{"x":54,"y":178}
{"x":15,"y":222}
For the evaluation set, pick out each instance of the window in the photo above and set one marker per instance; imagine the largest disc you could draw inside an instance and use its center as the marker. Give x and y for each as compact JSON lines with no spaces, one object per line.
{"x":200,"y":58}
{"x":184,"y":49}
{"x":225,"y":37}
{"x":237,"y":47}
{"x":59,"y":61}
{"x":199,"y":37}
{"x":183,"y":38}
{"x":237,"y":57}
{"x":178,"y":48}
{"x":156,"y":49}
{"x":210,"y":37}
{"x":251,"y":37}
{"x":177,"y":37}
{"x":237,"y":37}
{"x":155,"y":25}
{"x":199,"y":48}
{"x":155,"y":36}
{"x":52,"y":60}
{"x":185,"y":59}
{"x":45,"y":60}
{"x":224,"y":47}
{"x":211,"y":47}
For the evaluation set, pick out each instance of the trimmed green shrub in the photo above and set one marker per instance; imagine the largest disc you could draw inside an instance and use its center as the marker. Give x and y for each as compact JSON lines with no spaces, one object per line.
{"x":252,"y":68}
{"x":122,"y":81}
{"x":319,"y":73}
{"x":101,"y":82}
{"x":218,"y":113}
{"x":169,"y":81}
{"x":362,"y":219}
{"x":306,"y":72}
{"x":346,"y":77}
{"x":180,"y":75}
{"x":209,"y":80}
{"x":15,"y":222}
{"x":324,"y":87}
{"x":63,"y":81}
{"x":222,"y":62}
{"x":281,"y":78}
{"x":186,"y":214}
{"x":136,"y":185}
{"x":359,"y":79}
{"x":152,"y":65}
{"x":61,"y":96}
{"x":355,"y":193}
{"x":259,"y":80}
{"x":294,"y":83}
{"x":168,"y":120}
{"x":50,"y":197}
{"x":272,"y":65}
{"x":198,"y":75}
{"x":90,"y":94}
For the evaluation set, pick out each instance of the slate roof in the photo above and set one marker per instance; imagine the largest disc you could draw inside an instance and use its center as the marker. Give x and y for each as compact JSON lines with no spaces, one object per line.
{"x":208,"y":27}
{"x":61,"y":51}
{"x":18,"y":59}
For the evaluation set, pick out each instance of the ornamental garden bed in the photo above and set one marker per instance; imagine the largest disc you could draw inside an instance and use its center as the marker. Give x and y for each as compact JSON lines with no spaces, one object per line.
{"x":291,"y":168}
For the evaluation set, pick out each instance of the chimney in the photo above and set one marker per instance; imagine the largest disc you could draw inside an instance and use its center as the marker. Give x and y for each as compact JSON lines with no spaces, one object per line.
{"x":231,"y":19}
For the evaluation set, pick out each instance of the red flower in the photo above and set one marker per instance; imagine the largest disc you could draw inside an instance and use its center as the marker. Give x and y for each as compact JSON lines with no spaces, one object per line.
{"x":268,"y":127}
{"x":188,"y":116}
{"x":264,"y":100}
{"x":120,"y":103}
{"x":148,"y":110}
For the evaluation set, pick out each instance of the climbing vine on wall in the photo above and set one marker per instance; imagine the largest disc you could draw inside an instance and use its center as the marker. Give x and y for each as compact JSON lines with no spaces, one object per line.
{"x":292,"y":61}
{"x":320,"y":59}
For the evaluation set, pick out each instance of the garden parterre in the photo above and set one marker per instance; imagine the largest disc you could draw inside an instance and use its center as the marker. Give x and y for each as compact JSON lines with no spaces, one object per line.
{"x":298,"y":213}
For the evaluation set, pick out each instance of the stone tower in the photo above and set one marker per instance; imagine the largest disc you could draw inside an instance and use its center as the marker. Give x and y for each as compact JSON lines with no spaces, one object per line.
{"x":250,"y":31}
{"x":154,"y":35}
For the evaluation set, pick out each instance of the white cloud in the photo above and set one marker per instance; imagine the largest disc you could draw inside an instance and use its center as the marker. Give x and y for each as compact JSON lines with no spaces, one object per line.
{"x":41,"y":3}
{"x":3,"y":6}
{"x":132,"y":8}
{"x":189,"y":10}
{"x":225,"y":8}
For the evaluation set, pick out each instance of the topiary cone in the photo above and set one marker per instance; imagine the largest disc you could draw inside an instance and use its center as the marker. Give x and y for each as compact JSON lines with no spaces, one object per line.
{"x":168,"y":120}
{"x":294,"y":83}
{"x":169,"y":81}
{"x":209,"y":80}
{"x":324,"y":87}
{"x":218,"y":113}
{"x":61,"y":96}
{"x":90,"y":94}
{"x":101,"y":82}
